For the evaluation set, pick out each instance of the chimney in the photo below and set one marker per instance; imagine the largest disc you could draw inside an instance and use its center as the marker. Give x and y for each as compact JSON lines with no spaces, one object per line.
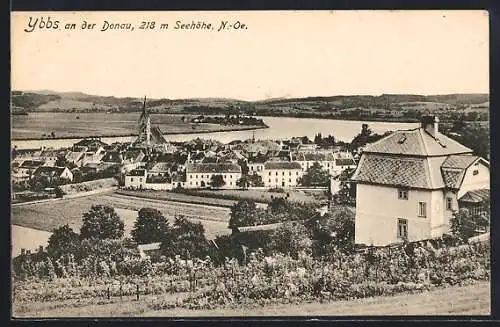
{"x":431,"y":125}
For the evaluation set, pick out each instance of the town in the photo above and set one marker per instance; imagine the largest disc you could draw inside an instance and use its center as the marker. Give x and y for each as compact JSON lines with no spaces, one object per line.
{"x":421,"y":172}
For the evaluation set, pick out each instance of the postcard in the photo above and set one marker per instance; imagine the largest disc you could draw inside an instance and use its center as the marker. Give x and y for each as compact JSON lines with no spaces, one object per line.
{"x":250,"y":163}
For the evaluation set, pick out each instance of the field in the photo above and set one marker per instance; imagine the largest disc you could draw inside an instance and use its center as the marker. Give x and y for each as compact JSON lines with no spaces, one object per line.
{"x":178,"y":197}
{"x":35,"y":125}
{"x":455,"y":300}
{"x":53,"y":214}
{"x":262,"y":196}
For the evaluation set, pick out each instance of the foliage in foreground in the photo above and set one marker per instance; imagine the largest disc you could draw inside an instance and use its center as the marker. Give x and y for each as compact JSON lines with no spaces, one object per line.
{"x":275,"y":279}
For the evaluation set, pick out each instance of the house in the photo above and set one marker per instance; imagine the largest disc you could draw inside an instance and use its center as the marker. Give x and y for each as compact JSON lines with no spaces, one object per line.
{"x":132,"y":159}
{"x":409,"y":183}
{"x":333,"y":162}
{"x":160,"y":169}
{"x":75,"y":157}
{"x":26,"y":170}
{"x":281,"y":174}
{"x":256,"y":164}
{"x":53,"y":173}
{"x":343,"y":161}
{"x":49,"y":156}
{"x":89,"y":145}
{"x":199,"y":175}
{"x":136,"y":178}
{"x":113,"y":157}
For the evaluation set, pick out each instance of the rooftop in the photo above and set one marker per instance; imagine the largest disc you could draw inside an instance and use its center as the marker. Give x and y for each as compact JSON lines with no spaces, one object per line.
{"x":213,"y":168}
{"x":475,"y":196}
{"x":273,"y":165}
{"x":31,"y":164}
{"x":417,"y":142}
{"x":393,"y":170}
{"x":137,"y":172}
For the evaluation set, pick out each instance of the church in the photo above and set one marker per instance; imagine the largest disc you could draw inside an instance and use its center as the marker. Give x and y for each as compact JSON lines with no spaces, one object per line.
{"x":150,"y":137}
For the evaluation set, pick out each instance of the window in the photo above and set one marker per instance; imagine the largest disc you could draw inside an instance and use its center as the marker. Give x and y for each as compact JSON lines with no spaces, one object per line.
{"x":269,"y":180}
{"x":230,"y":183}
{"x":131,"y":180}
{"x":276,"y":180}
{"x":475,"y":172}
{"x":289,"y":180}
{"x":283,"y":173}
{"x":297,"y":173}
{"x":196,"y":182}
{"x":449,"y":203}
{"x":276,"y":173}
{"x":403,"y":194}
{"x":289,"y":173}
{"x":230,"y":176}
{"x":269,"y":173}
{"x":196,"y":176}
{"x":402,"y":228}
{"x":422,"y":209}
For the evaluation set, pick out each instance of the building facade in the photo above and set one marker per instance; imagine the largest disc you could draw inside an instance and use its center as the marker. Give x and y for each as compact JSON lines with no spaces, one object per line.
{"x":199,"y":175}
{"x":282,"y":174}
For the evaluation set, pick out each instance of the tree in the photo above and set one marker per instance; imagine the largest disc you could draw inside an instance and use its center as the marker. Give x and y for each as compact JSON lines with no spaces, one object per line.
{"x":186,"y":239}
{"x":333,"y":232}
{"x":318,"y":138}
{"x":315,"y":176}
{"x":291,"y":238}
{"x":465,"y":225}
{"x":63,"y":241}
{"x":255,"y":180}
{"x":243,"y":213}
{"x":102,"y":222}
{"x":243,"y":182}
{"x":61,"y":161}
{"x":217,"y":181}
{"x":150,"y":226}
{"x":244,"y":166}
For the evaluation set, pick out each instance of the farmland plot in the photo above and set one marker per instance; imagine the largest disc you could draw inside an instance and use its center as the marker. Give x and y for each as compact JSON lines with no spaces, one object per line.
{"x":50,"y":215}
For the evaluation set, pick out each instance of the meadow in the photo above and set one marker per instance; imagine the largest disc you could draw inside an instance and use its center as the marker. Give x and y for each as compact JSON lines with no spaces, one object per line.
{"x":52,"y":214}
{"x":64,"y":125}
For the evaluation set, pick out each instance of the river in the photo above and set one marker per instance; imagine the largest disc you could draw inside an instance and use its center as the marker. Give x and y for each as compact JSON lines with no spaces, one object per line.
{"x":279,"y":128}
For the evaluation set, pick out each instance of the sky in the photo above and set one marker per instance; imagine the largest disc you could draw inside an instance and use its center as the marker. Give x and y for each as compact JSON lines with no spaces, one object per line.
{"x":279,"y":54}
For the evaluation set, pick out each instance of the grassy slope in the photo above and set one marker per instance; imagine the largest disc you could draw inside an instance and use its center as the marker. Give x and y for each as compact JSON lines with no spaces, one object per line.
{"x":49,"y":215}
{"x":456,"y":300}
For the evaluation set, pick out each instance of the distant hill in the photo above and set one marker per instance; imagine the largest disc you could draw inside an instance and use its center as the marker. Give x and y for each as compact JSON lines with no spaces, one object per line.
{"x":378,"y":107}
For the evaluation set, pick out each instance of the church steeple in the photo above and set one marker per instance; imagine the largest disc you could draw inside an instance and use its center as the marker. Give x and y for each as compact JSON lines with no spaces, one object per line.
{"x":145,"y":125}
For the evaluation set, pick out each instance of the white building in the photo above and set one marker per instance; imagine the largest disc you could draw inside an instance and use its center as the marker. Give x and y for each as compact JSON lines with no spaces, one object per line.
{"x":284,"y":174}
{"x":199,"y":175}
{"x":409,"y":183}
{"x":333,"y":163}
{"x":136,"y":178}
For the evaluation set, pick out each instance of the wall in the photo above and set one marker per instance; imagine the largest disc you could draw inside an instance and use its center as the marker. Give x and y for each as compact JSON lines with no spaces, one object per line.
{"x":158,"y":186}
{"x":378,"y":209}
{"x":135,"y":181}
